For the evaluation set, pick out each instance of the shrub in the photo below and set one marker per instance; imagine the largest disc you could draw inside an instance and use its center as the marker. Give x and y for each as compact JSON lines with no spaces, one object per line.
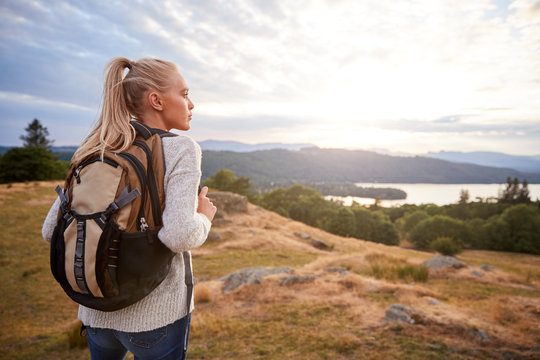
{"x":410,"y":220}
{"x":440,"y":225}
{"x":445,"y":246}
{"x":29,"y":164}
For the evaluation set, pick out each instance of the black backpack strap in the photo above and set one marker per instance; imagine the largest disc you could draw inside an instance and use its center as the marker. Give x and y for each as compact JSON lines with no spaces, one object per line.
{"x":189,"y":285}
{"x":142,"y":129}
{"x":146,"y":131}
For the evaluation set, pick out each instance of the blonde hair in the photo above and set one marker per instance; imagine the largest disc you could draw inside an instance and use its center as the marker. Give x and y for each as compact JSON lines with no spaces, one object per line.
{"x":123,"y":99}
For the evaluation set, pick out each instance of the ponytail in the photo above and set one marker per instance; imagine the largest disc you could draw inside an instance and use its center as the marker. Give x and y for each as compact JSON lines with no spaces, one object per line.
{"x":123,"y":99}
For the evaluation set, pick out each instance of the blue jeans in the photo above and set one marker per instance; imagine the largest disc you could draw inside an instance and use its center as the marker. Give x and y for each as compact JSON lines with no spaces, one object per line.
{"x":166,"y":343}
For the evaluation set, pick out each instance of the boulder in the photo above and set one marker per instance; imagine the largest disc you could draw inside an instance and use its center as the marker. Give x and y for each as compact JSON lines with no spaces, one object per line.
{"x":487,"y":267}
{"x":321,"y":245}
{"x":296,"y":279}
{"x":227,"y":202}
{"x":434,"y":302}
{"x":398,"y":313}
{"x":439,"y":262}
{"x":477,"y":273}
{"x":251,"y":275}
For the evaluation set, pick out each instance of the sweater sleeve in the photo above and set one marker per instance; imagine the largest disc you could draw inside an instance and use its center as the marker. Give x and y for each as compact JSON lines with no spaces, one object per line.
{"x":183,"y":228}
{"x":50,"y":221}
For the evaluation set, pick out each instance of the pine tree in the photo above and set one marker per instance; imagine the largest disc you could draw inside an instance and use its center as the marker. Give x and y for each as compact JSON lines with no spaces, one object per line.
{"x":36,"y":135}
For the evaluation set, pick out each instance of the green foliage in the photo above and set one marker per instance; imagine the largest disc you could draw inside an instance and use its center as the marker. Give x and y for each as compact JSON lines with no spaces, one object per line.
{"x":410,"y":220}
{"x":29,"y":164}
{"x":513,"y":194}
{"x":374,"y":226}
{"x":445,"y":246}
{"x":437,"y":226}
{"x":343,"y":223}
{"x":386,"y":233}
{"x":522,"y":223}
{"x":36,"y":135}
{"x":226,"y":180}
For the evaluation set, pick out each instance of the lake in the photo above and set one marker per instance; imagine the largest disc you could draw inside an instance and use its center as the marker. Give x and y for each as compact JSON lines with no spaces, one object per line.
{"x":439,"y":194}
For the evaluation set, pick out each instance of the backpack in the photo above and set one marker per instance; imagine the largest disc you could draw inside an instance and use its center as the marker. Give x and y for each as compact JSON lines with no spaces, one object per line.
{"x":105,"y":251}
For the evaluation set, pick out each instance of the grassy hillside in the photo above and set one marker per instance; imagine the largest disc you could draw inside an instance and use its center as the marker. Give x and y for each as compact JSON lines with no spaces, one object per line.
{"x":336,"y":316}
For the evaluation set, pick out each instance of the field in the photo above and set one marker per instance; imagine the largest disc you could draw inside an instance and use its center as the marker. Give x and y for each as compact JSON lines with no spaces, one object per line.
{"x":468,"y":313}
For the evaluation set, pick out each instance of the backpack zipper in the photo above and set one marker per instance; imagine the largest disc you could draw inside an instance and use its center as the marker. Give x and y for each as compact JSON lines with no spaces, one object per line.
{"x":152,"y":186}
{"x":139,"y":169}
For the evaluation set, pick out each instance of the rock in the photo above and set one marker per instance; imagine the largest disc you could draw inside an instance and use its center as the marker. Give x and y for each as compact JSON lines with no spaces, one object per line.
{"x":319,"y":244}
{"x":303,"y":235}
{"x":487,"y":267}
{"x":480,"y":334}
{"x":213,"y":236}
{"x":434,"y":302}
{"x":251,"y":275}
{"x":477,"y":273}
{"x":336,"y":269}
{"x":439,"y":262}
{"x":398,"y":313}
{"x":228,"y":202}
{"x":296,"y":279}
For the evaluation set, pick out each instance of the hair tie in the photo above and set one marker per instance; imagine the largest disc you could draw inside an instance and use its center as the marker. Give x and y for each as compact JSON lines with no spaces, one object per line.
{"x":129,"y":65}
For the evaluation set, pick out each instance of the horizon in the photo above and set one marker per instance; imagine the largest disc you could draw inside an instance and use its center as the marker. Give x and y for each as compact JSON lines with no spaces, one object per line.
{"x":375,"y":150}
{"x":415,"y":77}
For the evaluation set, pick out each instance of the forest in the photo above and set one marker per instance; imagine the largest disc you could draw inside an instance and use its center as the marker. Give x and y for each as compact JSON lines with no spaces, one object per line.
{"x":512,"y":223}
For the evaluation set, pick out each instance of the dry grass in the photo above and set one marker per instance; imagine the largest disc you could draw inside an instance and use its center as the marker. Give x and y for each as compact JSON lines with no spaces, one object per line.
{"x":202,"y":294}
{"x":337,"y":316}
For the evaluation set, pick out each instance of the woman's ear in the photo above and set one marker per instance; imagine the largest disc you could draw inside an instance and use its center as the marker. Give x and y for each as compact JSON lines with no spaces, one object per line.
{"x":154,"y":100}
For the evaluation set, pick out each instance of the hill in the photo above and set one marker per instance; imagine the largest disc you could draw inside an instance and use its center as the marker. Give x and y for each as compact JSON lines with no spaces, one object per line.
{"x":530,"y":164}
{"x":331,"y":305}
{"x":337,"y":165}
{"x":220,"y":145}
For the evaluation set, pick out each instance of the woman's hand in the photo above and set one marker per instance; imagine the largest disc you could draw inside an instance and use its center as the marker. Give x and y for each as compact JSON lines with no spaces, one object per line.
{"x":205,"y":206}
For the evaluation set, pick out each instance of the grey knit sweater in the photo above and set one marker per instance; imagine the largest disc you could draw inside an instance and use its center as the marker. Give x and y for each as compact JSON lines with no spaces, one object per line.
{"x":183,"y":229}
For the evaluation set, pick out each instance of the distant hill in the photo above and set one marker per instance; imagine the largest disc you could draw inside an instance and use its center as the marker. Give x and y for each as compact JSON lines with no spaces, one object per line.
{"x":337,"y":165}
{"x":529,"y":164}
{"x":219,"y":145}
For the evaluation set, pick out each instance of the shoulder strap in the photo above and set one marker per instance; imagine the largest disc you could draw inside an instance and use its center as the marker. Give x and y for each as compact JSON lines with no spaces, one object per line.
{"x":146,"y":131}
{"x":142,"y":129}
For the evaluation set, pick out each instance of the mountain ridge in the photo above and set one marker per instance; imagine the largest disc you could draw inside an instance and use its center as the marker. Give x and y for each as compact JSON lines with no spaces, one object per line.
{"x":325,"y":165}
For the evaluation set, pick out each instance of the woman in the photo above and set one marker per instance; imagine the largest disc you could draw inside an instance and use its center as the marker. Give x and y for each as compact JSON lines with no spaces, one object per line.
{"x":152,"y":92}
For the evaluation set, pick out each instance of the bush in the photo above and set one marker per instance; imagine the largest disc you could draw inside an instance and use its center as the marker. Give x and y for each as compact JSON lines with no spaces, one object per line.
{"x":440,"y":225}
{"x":445,"y":246}
{"x":226,"y":180}
{"x":410,"y":220}
{"x":30,"y":164}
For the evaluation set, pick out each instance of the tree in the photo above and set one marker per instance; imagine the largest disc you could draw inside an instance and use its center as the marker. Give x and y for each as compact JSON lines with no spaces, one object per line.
{"x":30,"y":163}
{"x":523,"y":228}
{"x":513,"y":194}
{"x":36,"y":135}
{"x":226,"y":180}
{"x":464,"y":196}
{"x":343,"y":223}
{"x":437,"y":226}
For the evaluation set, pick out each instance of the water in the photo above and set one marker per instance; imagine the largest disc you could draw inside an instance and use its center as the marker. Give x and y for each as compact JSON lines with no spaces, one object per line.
{"x":439,"y":194}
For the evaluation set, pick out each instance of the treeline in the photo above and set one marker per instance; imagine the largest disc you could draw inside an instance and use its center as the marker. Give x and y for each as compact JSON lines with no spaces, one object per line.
{"x":33,"y":161}
{"x":510,"y":224}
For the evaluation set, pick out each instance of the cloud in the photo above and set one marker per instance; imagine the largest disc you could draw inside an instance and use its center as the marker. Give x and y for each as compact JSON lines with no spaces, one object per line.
{"x":264,"y":65}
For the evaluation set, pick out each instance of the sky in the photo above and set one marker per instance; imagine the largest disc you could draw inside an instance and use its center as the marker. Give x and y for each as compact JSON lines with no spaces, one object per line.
{"x":407,"y":76}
